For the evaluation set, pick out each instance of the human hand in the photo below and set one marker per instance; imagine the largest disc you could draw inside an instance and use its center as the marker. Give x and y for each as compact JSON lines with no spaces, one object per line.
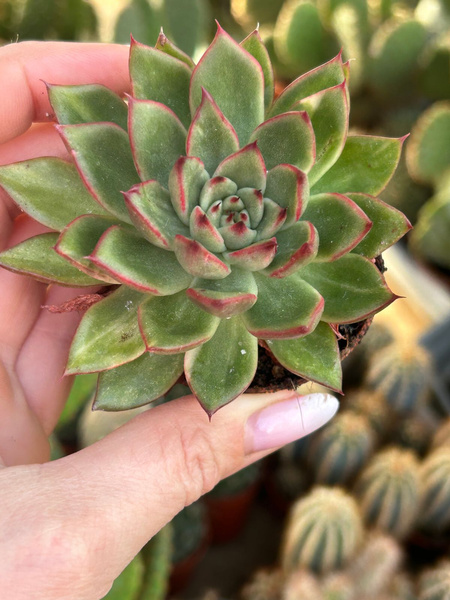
{"x":69,"y":527}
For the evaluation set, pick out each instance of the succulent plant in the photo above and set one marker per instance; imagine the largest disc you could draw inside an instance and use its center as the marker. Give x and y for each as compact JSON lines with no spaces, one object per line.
{"x":323,"y":531}
{"x":388,"y":491}
{"x":402,"y":373}
{"x":340,"y":449}
{"x":157,"y":555}
{"x":434,"y":584}
{"x":414,"y":432}
{"x":217,"y":221}
{"x":372,"y":405}
{"x":435,"y":504}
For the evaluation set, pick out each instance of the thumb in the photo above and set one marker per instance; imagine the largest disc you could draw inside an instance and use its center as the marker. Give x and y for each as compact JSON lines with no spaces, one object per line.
{"x":106,"y":501}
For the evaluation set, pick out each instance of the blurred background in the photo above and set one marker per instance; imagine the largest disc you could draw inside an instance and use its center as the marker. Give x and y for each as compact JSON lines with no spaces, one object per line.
{"x":360,"y":509}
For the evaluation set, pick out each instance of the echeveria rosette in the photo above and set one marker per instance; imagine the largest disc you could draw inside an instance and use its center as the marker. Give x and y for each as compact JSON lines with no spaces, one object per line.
{"x":221,"y":217}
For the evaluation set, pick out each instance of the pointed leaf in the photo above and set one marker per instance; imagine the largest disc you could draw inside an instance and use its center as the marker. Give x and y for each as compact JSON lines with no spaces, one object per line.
{"x":353,"y":288}
{"x":198,"y":261}
{"x":366,"y":165}
{"x":327,"y":75}
{"x":329,"y":114}
{"x":49,"y":190}
{"x":314,"y":357}
{"x":297,"y":246}
{"x":205,"y":232}
{"x":288,"y":187}
{"x":186,"y":180}
{"x":254,"y":204}
{"x":237,"y":235}
{"x":254,"y":257}
{"x":287,"y":138}
{"x":36,"y":257}
{"x":286,"y":308}
{"x":218,"y":371}
{"x":79,"y":239}
{"x":135,"y":262}
{"x":274,"y":218}
{"x":75,"y":104}
{"x":160,"y":77}
{"x":340,"y":222}
{"x":235,"y":80}
{"x":389,"y":225}
{"x":255,"y":46}
{"x":139,"y":382}
{"x":152,"y":213}
{"x":108,"y":334}
{"x":225,"y":297}
{"x":211,"y":136}
{"x":215,"y":189}
{"x":174,"y":324}
{"x":157,"y":139}
{"x":103,"y":156}
{"x":165,"y":45}
{"x":246,"y":168}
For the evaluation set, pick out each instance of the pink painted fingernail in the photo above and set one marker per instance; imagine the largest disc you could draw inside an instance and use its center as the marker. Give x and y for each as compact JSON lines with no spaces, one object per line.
{"x":287,"y":421}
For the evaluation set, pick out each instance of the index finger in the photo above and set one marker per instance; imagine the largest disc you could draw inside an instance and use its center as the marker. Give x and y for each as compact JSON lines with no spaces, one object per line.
{"x":23,"y":66}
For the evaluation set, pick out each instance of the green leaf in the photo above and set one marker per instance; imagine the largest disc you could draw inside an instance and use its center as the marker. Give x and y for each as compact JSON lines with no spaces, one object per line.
{"x":76,"y":104}
{"x":165,"y":45}
{"x":254,"y":257}
{"x":81,"y":392}
{"x":138,"y":19}
{"x":287,"y":138}
{"x":329,"y":113}
{"x":157,"y":139}
{"x":139,"y":382}
{"x":186,"y":181}
{"x":211,"y":136}
{"x":36,"y":257}
{"x":203,"y":231}
{"x":79,"y":239}
{"x":108,"y":334}
{"x":225,"y":297}
{"x":388,"y":225}
{"x":174,"y":324}
{"x":197,"y":260}
{"x":245,"y":168}
{"x":218,"y":371}
{"x":366,"y":165}
{"x":327,"y":75}
{"x":135,"y":262}
{"x":187,"y":21}
{"x":288,"y":187}
{"x":353,"y":288}
{"x":340,"y":222}
{"x":235,"y":80}
{"x":286,"y":308}
{"x":49,"y":190}
{"x":152,"y":213}
{"x":157,"y":76}
{"x":314,"y":357}
{"x":297,"y":246}
{"x":255,"y":46}
{"x":103,"y":156}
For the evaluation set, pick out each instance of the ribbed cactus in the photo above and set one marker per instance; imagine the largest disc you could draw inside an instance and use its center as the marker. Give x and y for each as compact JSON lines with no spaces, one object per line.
{"x":264,"y":585}
{"x":339,"y":450}
{"x":372,"y":405}
{"x":158,"y":563}
{"x":434,"y":584}
{"x":414,"y":432}
{"x":402,"y":373}
{"x":127,"y":586}
{"x":190,"y":530}
{"x":441,"y":436}
{"x":323,"y":532}
{"x":388,"y":490}
{"x":435,"y":476}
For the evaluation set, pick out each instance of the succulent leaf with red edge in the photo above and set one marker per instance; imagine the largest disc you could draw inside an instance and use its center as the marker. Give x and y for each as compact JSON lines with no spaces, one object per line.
{"x":221,"y":218}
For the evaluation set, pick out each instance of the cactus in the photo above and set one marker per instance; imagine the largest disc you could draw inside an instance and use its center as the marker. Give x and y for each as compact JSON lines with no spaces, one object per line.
{"x":265,"y":585}
{"x":157,"y":556}
{"x":190,"y":530}
{"x":434,"y":584}
{"x":435,"y":505}
{"x":301,"y":584}
{"x":128,"y":584}
{"x":402,"y":374}
{"x":442,"y":435}
{"x":338,"y":451}
{"x":323,"y":532}
{"x":371,"y":405}
{"x":414,"y":432}
{"x":388,"y":490}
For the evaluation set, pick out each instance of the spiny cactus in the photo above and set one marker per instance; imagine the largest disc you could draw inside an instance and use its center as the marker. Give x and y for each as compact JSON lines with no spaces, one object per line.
{"x":323,"y":531}
{"x":388,"y":491}
{"x":372,"y":405}
{"x":414,"y":432}
{"x":434,"y":584}
{"x":402,"y":373}
{"x":442,"y":435}
{"x":340,"y":449}
{"x":435,"y":505}
{"x":128,"y":585}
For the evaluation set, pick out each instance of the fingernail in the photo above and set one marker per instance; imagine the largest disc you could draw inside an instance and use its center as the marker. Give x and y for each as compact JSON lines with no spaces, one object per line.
{"x":287,"y":421}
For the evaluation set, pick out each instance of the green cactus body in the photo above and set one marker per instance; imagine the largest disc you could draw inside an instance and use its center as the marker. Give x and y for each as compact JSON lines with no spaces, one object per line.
{"x":434,"y":584}
{"x":388,"y":490}
{"x":435,"y":476}
{"x":339,"y":450}
{"x":128,"y":584}
{"x":157,"y":556}
{"x":442,"y":435}
{"x":370,"y":404}
{"x":414,"y":432}
{"x":323,"y":532}
{"x":402,"y":374}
